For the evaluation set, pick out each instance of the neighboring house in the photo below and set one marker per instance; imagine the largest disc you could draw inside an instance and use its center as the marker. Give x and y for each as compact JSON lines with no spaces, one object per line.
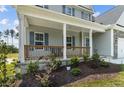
{"x":64,"y":30}
{"x":111,"y":43}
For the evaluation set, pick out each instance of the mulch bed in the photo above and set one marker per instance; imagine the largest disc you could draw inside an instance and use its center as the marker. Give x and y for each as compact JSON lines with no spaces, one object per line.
{"x":63,"y":77}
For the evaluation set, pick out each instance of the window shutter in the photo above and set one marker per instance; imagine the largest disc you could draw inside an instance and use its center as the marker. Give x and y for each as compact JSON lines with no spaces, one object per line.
{"x":63,"y":9}
{"x":73,"y":40}
{"x":73,"y":11}
{"x":31,"y":38}
{"x":46,"y":39}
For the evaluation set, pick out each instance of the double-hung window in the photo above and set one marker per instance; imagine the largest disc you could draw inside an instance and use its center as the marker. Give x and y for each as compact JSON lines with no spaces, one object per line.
{"x":87,"y":42}
{"x":69,"y":41}
{"x":39,"y":39}
{"x":85,"y":16}
{"x":69,"y":10}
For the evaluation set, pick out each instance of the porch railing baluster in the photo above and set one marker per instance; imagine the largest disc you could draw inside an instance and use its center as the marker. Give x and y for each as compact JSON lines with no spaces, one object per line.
{"x":37,"y":51}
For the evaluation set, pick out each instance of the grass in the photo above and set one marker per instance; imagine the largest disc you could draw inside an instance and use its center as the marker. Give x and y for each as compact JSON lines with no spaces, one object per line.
{"x":12,"y":55}
{"x":118,"y":81}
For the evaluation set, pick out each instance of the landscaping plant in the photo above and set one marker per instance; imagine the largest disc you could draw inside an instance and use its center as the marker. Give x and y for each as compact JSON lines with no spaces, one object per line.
{"x":6,"y":70}
{"x":74,"y":61}
{"x":54,"y":63}
{"x":95,"y":61}
{"x":45,"y":78}
{"x":86,"y":58}
{"x":32,"y":68}
{"x":103,"y":63}
{"x":75,"y":71}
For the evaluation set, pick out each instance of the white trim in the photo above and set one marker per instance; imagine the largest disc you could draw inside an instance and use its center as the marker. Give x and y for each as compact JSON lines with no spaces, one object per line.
{"x":112,"y":42}
{"x":22,"y":38}
{"x":64,"y":42}
{"x":91,"y":42}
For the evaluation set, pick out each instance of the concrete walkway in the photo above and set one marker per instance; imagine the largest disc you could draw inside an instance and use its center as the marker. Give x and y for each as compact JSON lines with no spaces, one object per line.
{"x":115,"y":61}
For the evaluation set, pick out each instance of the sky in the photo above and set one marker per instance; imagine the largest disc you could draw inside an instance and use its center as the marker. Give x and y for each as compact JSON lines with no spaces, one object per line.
{"x":9,"y":19}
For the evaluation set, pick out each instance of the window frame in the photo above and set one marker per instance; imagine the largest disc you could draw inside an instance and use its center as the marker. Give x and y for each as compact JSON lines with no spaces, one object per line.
{"x":69,"y":42}
{"x":66,"y":10}
{"x":86,"y":41}
{"x":37,"y":40}
{"x":85,"y":15}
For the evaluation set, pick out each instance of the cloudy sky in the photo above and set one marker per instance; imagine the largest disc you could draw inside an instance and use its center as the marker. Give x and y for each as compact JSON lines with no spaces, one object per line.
{"x":9,"y":20}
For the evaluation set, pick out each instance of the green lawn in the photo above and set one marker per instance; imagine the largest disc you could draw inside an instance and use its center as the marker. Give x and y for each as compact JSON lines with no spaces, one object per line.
{"x":118,"y":81}
{"x":12,"y":55}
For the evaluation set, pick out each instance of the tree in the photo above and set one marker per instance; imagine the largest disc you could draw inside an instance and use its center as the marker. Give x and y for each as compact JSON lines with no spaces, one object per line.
{"x":6,"y":33}
{"x":17,"y":35}
{"x":0,"y":34}
{"x":12,"y":33}
{"x":3,"y":69}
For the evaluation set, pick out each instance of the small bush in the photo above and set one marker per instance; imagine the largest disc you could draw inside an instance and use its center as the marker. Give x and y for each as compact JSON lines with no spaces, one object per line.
{"x":45,"y":80}
{"x":56,"y":64}
{"x":18,"y":76}
{"x":32,"y":68}
{"x":74,"y":61}
{"x":104,"y":64}
{"x":95,"y":61}
{"x":96,"y":57}
{"x":75,"y":71}
{"x":86,"y":58}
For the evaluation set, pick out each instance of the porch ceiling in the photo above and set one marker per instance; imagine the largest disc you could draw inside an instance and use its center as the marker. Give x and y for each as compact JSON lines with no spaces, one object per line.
{"x":52,"y":24}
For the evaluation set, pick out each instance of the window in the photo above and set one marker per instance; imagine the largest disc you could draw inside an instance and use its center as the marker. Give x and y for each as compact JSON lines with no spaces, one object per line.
{"x":87,"y":42}
{"x":85,"y":15}
{"x":68,"y":10}
{"x":69,"y":41}
{"x":39,"y":39}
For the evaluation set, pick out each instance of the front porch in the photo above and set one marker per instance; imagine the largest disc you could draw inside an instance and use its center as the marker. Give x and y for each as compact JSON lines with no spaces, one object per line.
{"x":46,"y":32}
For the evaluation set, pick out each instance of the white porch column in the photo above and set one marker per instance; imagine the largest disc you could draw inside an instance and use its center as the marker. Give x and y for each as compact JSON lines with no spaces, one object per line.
{"x":64,"y":42}
{"x":91,"y":42}
{"x":22,"y":37}
{"x":112,"y":42}
{"x":82,"y":41}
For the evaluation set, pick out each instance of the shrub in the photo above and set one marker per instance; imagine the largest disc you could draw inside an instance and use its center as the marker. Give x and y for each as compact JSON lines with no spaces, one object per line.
{"x":45,"y":80}
{"x":86,"y":58}
{"x":103,"y":63}
{"x":75,"y":71}
{"x":95,"y":62}
{"x":96,"y":57}
{"x":54,"y":64}
{"x":18,"y":76}
{"x":32,"y":68}
{"x":74,"y":61}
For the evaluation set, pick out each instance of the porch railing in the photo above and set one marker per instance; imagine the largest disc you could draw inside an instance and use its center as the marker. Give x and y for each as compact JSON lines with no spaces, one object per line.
{"x":39,"y":51}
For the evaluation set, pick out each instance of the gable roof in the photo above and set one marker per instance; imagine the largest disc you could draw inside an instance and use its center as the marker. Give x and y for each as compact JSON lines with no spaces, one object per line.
{"x":111,"y":16}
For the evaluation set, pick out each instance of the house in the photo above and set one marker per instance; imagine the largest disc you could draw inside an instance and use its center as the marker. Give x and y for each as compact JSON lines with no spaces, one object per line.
{"x":111,"y":43}
{"x":63,"y":30}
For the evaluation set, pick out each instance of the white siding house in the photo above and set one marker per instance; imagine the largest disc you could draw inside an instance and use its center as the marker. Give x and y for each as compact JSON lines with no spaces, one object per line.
{"x":114,"y":19}
{"x":48,"y":29}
